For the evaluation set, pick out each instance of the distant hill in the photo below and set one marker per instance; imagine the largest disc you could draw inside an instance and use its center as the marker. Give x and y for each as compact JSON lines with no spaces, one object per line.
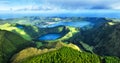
{"x":9,"y":44}
{"x":104,"y":38}
{"x":108,"y":38}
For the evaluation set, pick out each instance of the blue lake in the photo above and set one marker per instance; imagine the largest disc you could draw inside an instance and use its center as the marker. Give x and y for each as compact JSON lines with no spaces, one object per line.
{"x":74,"y":24}
{"x":20,"y":26}
{"x":50,"y":36}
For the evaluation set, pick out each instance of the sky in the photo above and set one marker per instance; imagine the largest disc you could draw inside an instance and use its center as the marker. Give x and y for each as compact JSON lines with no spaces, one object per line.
{"x":58,"y":5}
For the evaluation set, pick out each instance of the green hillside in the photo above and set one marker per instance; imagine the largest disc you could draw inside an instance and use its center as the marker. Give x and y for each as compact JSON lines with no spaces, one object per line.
{"x":63,"y":55}
{"x":9,"y":44}
{"x":31,"y":51}
{"x":60,"y":53}
{"x":109,"y":44}
{"x":104,"y":38}
{"x":28,"y":32}
{"x":69,"y":55}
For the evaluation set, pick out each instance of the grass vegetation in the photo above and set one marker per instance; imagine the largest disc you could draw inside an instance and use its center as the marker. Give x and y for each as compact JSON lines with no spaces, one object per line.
{"x":9,"y":44}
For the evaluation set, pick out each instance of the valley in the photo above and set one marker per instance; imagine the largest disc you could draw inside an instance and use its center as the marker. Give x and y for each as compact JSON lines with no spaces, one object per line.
{"x":60,"y":39}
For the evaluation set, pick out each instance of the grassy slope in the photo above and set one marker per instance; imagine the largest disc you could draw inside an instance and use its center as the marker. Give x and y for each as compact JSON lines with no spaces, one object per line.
{"x":12,"y":28}
{"x":10,"y":43}
{"x":27,"y":32}
{"x":71,"y":32}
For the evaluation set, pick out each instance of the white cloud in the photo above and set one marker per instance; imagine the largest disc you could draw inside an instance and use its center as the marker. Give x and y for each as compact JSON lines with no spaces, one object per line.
{"x":115,"y":6}
{"x":44,"y":7}
{"x":84,"y":4}
{"x":56,"y":5}
{"x":4,"y":8}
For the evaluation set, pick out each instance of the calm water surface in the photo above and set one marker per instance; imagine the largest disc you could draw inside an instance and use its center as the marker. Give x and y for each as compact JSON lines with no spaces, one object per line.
{"x":50,"y":37}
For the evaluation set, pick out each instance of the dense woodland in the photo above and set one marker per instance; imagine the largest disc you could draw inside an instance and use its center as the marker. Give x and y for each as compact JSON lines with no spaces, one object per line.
{"x":68,"y":55}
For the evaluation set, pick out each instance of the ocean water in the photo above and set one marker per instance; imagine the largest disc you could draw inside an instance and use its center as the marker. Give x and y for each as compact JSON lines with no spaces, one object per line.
{"x":80,"y":13}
